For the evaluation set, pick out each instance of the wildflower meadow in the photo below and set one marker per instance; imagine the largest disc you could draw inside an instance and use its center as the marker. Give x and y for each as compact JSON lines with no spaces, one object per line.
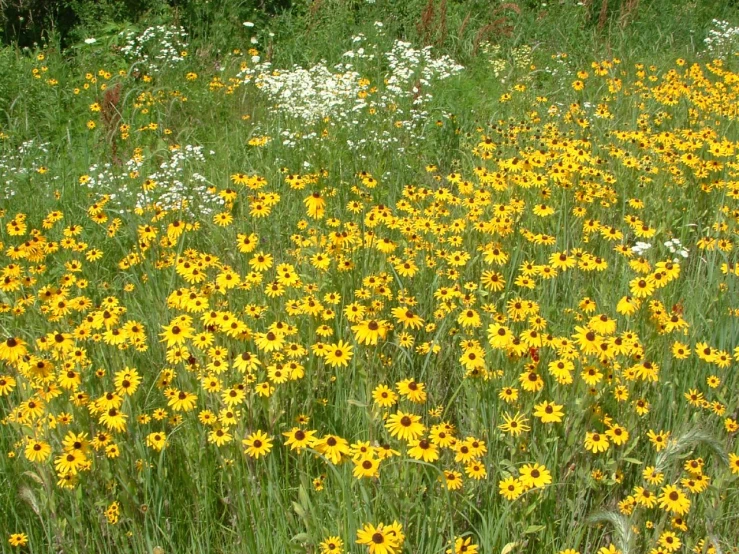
{"x":352,"y":276}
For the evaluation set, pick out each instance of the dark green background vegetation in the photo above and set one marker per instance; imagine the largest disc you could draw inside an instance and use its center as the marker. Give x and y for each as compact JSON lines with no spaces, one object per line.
{"x":609,"y":24}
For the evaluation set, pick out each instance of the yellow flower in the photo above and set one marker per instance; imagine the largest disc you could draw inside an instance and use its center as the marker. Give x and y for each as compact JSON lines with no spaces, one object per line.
{"x":257,"y":444}
{"x":405,"y":426}
{"x":596,"y":442}
{"x":514,"y":425}
{"x":332,"y":545}
{"x":534,"y":476}
{"x":366,"y":467}
{"x":548,"y":412}
{"x":463,"y":546}
{"x":510,"y":488}
{"x":18,"y":539}
{"x":379,"y":540}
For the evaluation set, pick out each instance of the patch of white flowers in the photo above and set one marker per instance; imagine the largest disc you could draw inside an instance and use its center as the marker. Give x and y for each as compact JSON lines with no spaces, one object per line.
{"x":676,"y":247}
{"x":174,"y":184}
{"x":19,"y":163}
{"x":560,"y":66}
{"x":640,"y":247}
{"x":176,"y":190}
{"x":722,"y":39}
{"x":409,"y":65}
{"x":341,"y":97}
{"x":156,"y":48}
{"x":104,"y":179}
{"x":310,"y":94}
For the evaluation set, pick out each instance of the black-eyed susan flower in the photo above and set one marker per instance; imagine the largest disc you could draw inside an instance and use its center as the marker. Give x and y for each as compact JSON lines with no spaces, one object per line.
{"x":332,"y":545}
{"x":405,"y":426}
{"x":366,"y":467}
{"x":379,"y":540}
{"x":534,"y":476}
{"x":18,"y":539}
{"x":257,"y":444}
{"x":673,"y":499}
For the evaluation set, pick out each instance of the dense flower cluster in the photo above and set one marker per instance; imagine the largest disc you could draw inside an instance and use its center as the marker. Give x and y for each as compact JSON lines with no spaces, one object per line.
{"x":310,"y":94}
{"x":722,"y":40}
{"x":341,"y":97}
{"x":17,"y":164}
{"x":506,"y":328}
{"x":175,"y":185}
{"x":155,"y":48}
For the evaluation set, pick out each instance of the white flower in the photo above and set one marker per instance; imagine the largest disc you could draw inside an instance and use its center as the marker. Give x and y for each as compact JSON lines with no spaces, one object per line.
{"x":90,"y":40}
{"x":640,"y":247}
{"x":248,"y":24}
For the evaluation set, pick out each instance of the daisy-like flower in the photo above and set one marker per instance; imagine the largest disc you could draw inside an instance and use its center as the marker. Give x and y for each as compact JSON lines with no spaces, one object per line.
{"x":510,"y":488}
{"x":379,"y":540}
{"x":257,"y":444}
{"x":596,"y":442}
{"x":18,"y":539}
{"x":332,"y":545}
{"x":405,"y":426}
{"x":674,"y":500}
{"x":534,"y":476}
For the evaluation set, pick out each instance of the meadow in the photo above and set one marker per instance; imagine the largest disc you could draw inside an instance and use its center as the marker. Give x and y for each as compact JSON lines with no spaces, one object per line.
{"x":369,"y":278}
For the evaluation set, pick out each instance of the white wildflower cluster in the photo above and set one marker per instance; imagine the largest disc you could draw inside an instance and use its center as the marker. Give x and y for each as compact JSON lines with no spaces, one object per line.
{"x":722,"y":39}
{"x":408,"y":65}
{"x":640,"y":247}
{"x":104,"y":179}
{"x":173,"y":185}
{"x":156,"y":48}
{"x":673,"y":245}
{"x":291,"y":138}
{"x":676,"y":247}
{"x":310,"y":94}
{"x":341,"y":97}
{"x":173,"y":189}
{"x":417,"y":67}
{"x":19,"y":163}
{"x":559,"y":66}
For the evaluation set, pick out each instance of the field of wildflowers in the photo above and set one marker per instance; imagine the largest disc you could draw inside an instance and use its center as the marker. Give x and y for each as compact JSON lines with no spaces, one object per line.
{"x":383,"y":301}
